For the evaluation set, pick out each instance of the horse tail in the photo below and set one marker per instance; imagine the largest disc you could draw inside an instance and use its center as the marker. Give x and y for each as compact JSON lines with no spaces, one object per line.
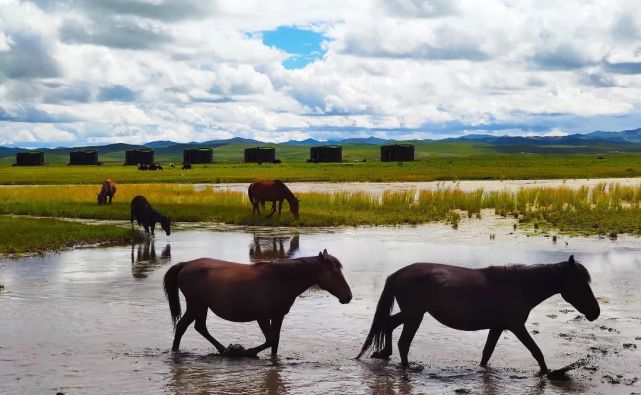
{"x":381,"y":316}
{"x":170,"y":284}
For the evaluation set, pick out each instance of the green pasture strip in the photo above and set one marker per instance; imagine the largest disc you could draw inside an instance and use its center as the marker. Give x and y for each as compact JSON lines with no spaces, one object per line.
{"x":22,"y":235}
{"x":498,"y":167}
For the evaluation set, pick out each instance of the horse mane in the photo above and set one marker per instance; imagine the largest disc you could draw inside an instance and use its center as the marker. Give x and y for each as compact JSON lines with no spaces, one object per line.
{"x":295,"y":261}
{"x":550,"y":270}
{"x":288,"y":192}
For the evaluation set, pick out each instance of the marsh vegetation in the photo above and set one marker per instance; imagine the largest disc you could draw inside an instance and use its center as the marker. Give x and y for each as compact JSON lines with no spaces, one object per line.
{"x":22,"y":235}
{"x":607,"y":208}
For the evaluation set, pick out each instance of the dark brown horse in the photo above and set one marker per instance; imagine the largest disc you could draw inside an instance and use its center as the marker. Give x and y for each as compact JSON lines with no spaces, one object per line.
{"x":147,"y":216}
{"x":263,"y":292}
{"x":497,"y":298}
{"x":272,"y":191}
{"x":108,"y":190}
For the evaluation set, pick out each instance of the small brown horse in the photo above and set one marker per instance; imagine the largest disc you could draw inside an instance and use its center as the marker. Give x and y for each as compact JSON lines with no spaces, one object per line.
{"x":263,"y":292}
{"x":497,"y":298}
{"x":272,"y":191}
{"x":108,"y":190}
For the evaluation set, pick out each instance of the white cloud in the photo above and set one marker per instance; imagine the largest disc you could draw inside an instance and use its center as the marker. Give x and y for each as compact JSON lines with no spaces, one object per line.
{"x":142,"y":70}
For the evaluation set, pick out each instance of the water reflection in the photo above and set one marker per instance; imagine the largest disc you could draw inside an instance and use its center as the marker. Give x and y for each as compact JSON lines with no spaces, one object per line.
{"x":383,"y":382}
{"x":195,"y":374}
{"x":145,"y":259}
{"x":266,"y":248}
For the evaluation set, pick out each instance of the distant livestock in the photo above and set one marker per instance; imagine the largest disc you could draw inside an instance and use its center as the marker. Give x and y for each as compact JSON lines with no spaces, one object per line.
{"x":186,"y":166}
{"x":146,"y":216}
{"x":153,"y":166}
{"x":108,"y":190}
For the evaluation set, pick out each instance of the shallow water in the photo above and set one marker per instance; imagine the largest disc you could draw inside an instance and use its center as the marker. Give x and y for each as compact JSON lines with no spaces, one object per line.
{"x":464,"y":185}
{"x":96,"y":320}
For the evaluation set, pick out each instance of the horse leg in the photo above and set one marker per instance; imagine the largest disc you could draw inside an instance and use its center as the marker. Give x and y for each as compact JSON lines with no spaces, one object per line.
{"x":492,"y":339}
{"x":110,"y":197}
{"x":146,"y":228}
{"x":201,"y":327}
{"x":410,"y":327}
{"x":153,"y":227}
{"x":181,"y":327}
{"x":522,"y":334}
{"x":265,"y":326}
{"x":276,"y":324}
{"x":280,"y":206}
{"x":393,"y":323}
{"x":131,"y":218}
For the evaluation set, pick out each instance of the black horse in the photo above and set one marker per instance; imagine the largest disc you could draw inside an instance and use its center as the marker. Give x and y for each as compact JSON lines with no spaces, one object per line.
{"x":146,"y":216}
{"x":497,"y":298}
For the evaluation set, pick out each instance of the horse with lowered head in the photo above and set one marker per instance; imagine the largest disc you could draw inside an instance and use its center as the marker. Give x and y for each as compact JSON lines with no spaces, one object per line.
{"x":263,"y":292}
{"x":272,"y":191}
{"x":147,"y":216}
{"x":497,"y":298}
{"x":108,"y":190}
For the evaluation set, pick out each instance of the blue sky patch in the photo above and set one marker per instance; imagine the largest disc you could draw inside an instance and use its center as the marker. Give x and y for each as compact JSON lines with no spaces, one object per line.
{"x":304,"y":46}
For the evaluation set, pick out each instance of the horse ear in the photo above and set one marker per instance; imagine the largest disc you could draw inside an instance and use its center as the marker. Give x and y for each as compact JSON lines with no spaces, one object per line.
{"x":571,"y":260}
{"x":325,"y":252}
{"x":320,"y":255}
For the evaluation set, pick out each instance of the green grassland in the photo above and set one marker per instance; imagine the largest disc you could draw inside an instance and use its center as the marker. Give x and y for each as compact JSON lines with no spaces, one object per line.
{"x":22,"y":235}
{"x":607,"y":209}
{"x":430,"y":168}
{"x":435,"y":160}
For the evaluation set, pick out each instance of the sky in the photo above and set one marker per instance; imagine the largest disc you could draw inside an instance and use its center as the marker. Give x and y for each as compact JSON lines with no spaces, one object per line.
{"x":80,"y":72}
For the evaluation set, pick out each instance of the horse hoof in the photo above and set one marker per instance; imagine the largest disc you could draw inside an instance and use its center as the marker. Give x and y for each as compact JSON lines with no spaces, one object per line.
{"x":380,"y":355}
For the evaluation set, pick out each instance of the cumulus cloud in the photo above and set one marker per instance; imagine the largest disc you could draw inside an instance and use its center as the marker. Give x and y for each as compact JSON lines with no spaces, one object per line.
{"x":92,"y":71}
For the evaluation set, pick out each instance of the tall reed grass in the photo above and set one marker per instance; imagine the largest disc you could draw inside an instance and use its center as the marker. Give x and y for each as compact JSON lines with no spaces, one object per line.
{"x":607,"y":208}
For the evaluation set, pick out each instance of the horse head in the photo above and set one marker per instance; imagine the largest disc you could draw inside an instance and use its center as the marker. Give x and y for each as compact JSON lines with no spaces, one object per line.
{"x":165,"y":223}
{"x":576,"y":290}
{"x":102,"y":199}
{"x":331,"y":277}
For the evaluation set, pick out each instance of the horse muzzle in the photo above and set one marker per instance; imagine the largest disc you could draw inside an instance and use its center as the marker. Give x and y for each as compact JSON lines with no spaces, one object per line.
{"x":345,"y":300}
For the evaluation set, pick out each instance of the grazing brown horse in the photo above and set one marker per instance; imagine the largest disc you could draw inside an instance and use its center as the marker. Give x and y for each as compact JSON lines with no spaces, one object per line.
{"x":272,"y":191}
{"x":497,"y":298}
{"x":263,"y":292}
{"x":108,"y":189}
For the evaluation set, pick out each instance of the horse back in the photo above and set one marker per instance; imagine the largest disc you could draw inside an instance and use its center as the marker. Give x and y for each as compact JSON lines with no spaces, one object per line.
{"x":234,"y":291}
{"x":269,"y":190}
{"x":142,"y":210}
{"x":108,"y":187}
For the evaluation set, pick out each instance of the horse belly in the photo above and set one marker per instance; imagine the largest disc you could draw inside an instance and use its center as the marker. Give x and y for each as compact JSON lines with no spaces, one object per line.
{"x":466,"y":312}
{"x":236,"y":302}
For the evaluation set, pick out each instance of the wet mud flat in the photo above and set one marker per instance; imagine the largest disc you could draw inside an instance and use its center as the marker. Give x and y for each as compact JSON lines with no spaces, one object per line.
{"x":96,"y":320}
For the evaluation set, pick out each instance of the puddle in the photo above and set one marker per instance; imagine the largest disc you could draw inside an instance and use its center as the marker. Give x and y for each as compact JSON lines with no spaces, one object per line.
{"x":96,"y":320}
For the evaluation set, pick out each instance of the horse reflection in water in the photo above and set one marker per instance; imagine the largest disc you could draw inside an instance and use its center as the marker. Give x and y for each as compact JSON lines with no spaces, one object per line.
{"x":200,"y":374}
{"x":268,"y":248}
{"x":146,"y":260}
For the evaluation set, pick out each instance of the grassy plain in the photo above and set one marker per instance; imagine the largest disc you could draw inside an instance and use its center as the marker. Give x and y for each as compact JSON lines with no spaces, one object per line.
{"x":513,"y":166}
{"x":37,"y":235}
{"x":607,"y":209}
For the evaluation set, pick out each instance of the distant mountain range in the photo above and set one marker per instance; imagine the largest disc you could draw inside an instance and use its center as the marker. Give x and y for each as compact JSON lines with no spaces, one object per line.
{"x":622,"y":138}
